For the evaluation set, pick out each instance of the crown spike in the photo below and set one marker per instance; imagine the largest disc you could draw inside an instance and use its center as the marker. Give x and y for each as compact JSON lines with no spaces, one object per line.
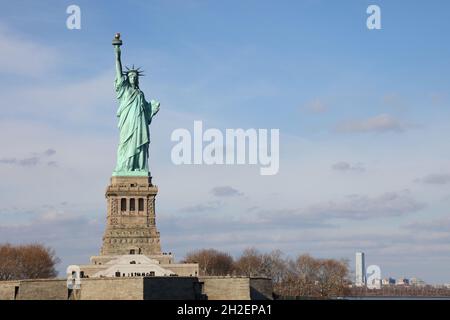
{"x":137,"y":70}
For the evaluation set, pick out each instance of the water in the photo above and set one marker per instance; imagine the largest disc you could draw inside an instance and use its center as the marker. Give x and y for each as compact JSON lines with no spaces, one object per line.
{"x":393,"y":298}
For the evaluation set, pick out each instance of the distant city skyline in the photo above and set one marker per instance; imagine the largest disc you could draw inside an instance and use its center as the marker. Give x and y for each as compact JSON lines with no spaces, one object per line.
{"x":362,"y":275}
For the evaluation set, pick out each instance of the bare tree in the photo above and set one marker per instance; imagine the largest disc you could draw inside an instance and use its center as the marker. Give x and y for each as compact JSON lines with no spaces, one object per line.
{"x":9,"y":262}
{"x":311,"y":277}
{"x":252,"y":263}
{"x":30,"y":261}
{"x":301,"y":278}
{"x":211,"y":262}
{"x":274,"y":266}
{"x":333,"y":277}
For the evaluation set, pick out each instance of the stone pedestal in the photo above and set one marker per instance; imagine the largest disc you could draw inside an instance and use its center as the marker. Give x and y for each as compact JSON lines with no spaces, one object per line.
{"x":130,"y":226}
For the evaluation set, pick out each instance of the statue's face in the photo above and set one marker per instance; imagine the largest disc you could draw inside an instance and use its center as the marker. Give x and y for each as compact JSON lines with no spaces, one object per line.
{"x":133,"y":78}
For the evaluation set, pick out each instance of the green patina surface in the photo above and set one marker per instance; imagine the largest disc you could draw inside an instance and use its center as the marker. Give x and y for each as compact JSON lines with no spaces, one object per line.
{"x":135,"y":115}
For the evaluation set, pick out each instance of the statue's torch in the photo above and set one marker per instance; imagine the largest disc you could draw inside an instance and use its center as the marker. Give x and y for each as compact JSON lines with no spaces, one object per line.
{"x":116,"y":41}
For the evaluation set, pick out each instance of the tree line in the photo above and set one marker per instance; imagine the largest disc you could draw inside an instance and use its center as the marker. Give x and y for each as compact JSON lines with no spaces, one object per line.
{"x":303,"y":276}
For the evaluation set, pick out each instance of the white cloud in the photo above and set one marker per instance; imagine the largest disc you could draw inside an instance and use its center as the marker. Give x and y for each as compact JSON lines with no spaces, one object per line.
{"x":379,"y":123}
{"x":388,"y":204}
{"x":395,"y":101}
{"x":316,"y":106}
{"x":354,"y":207}
{"x":24,"y":56}
{"x":207,"y":207}
{"x":435,"y":178}
{"x":80,"y":101}
{"x":430,"y":226}
{"x":32,"y":160}
{"x":344,"y":166}
{"x":226,"y":191}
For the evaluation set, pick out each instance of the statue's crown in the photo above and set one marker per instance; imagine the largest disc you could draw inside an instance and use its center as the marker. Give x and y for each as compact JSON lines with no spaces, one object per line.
{"x":138,"y":71}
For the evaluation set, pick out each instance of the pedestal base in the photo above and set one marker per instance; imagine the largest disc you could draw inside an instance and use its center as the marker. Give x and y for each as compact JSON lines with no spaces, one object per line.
{"x":131,"y":226}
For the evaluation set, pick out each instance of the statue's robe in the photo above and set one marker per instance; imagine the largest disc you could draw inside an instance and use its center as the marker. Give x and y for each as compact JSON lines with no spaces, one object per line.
{"x":135,"y":115}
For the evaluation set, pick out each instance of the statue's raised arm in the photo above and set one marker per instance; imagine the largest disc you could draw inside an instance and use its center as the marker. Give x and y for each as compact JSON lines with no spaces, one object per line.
{"x":117,"y":43}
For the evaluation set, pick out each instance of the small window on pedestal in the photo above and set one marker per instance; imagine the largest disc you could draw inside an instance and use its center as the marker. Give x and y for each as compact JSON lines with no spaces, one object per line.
{"x":141,"y":204}
{"x":132,"y":205}
{"x":123,"y":204}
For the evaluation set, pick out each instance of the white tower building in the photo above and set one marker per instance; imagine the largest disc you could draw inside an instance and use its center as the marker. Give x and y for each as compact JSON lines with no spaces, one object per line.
{"x":360,"y":270}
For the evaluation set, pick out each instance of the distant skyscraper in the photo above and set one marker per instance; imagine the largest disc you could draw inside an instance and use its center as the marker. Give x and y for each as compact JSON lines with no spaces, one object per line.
{"x":360,"y":270}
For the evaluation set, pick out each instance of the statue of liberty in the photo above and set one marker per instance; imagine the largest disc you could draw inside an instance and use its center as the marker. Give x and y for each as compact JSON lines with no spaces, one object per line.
{"x":135,"y":115}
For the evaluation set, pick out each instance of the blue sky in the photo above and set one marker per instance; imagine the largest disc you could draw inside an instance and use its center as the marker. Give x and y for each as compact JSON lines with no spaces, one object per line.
{"x":363,"y":117}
